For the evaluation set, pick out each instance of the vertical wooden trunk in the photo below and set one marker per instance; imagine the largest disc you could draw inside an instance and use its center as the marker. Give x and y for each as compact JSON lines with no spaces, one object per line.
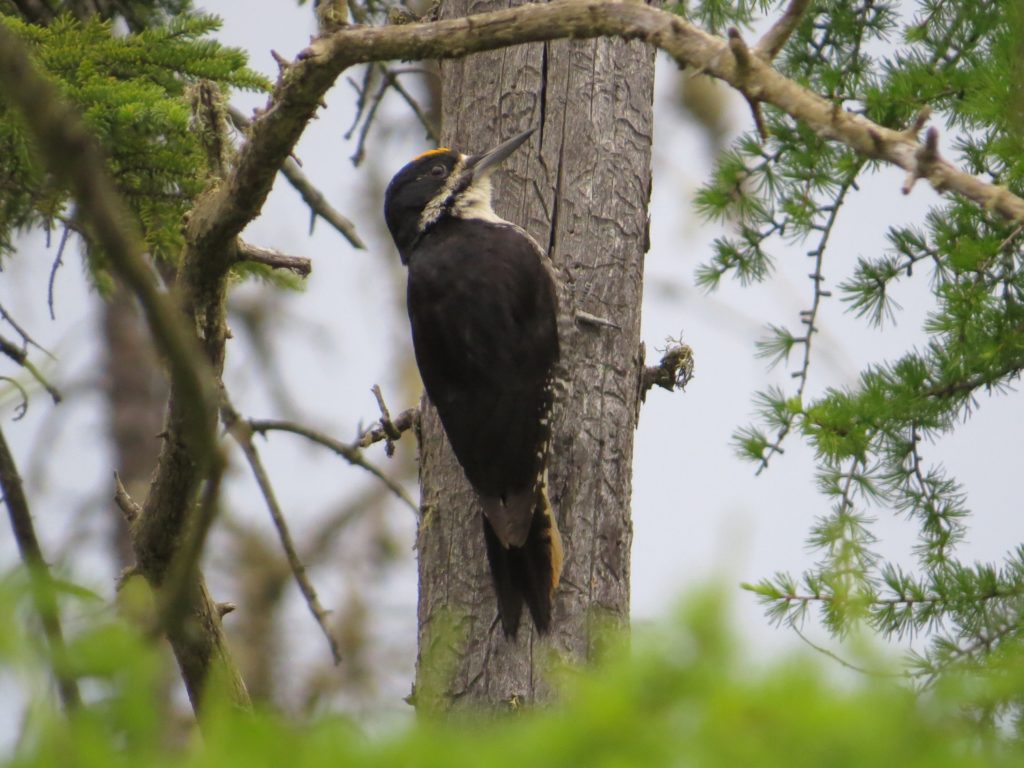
{"x":136,"y":395}
{"x":581,"y":187}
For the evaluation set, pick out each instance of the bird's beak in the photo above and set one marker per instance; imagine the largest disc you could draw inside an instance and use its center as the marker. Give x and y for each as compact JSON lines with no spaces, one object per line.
{"x":478,"y":166}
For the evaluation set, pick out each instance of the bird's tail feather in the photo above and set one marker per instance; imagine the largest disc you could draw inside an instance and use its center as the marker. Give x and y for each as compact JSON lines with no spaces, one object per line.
{"x":528,"y":573}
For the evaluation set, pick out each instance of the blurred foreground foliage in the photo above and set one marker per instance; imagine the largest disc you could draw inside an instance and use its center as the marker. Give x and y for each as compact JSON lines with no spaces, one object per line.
{"x":683,"y":694}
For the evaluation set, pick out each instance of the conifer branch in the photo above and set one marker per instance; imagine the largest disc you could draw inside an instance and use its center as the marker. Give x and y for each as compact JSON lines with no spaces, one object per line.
{"x":74,"y":156}
{"x":221,"y":215}
{"x":35,"y":11}
{"x":809,"y":317}
{"x":44,"y":594}
{"x":20,"y":356}
{"x":190,"y":448}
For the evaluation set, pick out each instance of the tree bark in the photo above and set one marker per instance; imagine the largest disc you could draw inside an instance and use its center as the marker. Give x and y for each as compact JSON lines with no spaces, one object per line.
{"x":581,"y":187}
{"x":136,"y":395}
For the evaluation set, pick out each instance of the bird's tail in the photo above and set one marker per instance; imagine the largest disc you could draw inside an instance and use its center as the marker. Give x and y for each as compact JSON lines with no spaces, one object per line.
{"x":529,"y":573}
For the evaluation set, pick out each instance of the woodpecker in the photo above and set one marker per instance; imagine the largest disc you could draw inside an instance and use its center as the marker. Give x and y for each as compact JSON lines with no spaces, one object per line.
{"x":483,"y":306}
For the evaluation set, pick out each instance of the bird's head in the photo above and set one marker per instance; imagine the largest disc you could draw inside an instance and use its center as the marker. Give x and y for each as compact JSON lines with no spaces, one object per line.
{"x":440,"y":183}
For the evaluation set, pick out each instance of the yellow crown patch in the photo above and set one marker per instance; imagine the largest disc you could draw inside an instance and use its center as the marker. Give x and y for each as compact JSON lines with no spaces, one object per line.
{"x":429,"y":152}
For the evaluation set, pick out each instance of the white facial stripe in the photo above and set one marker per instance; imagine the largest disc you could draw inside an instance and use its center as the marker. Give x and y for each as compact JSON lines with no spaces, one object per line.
{"x":473,"y":203}
{"x":434,"y":208}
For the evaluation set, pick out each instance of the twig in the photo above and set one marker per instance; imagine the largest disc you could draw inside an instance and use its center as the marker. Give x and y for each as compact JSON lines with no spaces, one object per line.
{"x":352,"y":454}
{"x":242,"y":432}
{"x":809,"y":317}
{"x":920,"y":119}
{"x":406,"y":420}
{"x":18,"y":355}
{"x":673,"y":372}
{"x":742,"y":56}
{"x":769,"y":46}
{"x":43,"y":593}
{"x":128,"y":506}
{"x":1011,"y":237}
{"x":392,"y":77}
{"x":926,"y":161}
{"x":362,"y":91}
{"x":312,"y":196}
{"x":21,"y":408}
{"x":300,"y":265}
{"x":843,"y":662}
{"x":371,"y":111}
{"x":28,"y":340}
{"x":391,"y":432}
{"x":57,"y":263}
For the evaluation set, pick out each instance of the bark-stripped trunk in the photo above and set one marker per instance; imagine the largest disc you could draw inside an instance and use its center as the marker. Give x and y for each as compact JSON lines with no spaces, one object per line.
{"x":136,"y":394}
{"x":585,"y":197}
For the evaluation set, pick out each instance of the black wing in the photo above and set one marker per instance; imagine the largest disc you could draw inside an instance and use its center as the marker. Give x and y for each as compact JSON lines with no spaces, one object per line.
{"x":483,"y":310}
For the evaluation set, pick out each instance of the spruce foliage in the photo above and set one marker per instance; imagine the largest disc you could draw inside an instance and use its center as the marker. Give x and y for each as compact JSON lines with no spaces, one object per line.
{"x":131,"y":89}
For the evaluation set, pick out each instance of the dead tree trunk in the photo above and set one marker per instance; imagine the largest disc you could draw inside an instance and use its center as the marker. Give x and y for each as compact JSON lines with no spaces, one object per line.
{"x":585,"y":197}
{"x":136,"y":395}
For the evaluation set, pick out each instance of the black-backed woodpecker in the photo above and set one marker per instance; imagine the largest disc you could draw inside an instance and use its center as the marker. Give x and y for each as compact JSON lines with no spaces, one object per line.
{"x":483,"y":305}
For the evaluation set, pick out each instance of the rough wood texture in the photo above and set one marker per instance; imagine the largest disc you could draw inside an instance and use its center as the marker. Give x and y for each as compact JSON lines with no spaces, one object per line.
{"x":581,"y":187}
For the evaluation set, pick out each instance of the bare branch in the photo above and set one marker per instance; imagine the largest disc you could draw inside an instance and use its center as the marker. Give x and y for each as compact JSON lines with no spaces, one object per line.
{"x":128,"y":506}
{"x":366,"y":108}
{"x":370,"y":113}
{"x":352,"y":454}
{"x":43,"y":592}
{"x":769,"y":46}
{"x":18,"y":355}
{"x":22,"y":407}
{"x":742,"y":56}
{"x":843,"y":662}
{"x":406,"y":420}
{"x":220,"y":216}
{"x":327,"y":57}
{"x":432,"y":130}
{"x":312,"y":196}
{"x":242,"y":432}
{"x":28,"y":340}
{"x":300,"y":265}
{"x":57,"y":263}
{"x":391,"y":432}
{"x":926,"y":161}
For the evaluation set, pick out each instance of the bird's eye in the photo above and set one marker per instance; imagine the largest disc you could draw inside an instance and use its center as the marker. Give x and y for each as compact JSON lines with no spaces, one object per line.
{"x":438,"y":171}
